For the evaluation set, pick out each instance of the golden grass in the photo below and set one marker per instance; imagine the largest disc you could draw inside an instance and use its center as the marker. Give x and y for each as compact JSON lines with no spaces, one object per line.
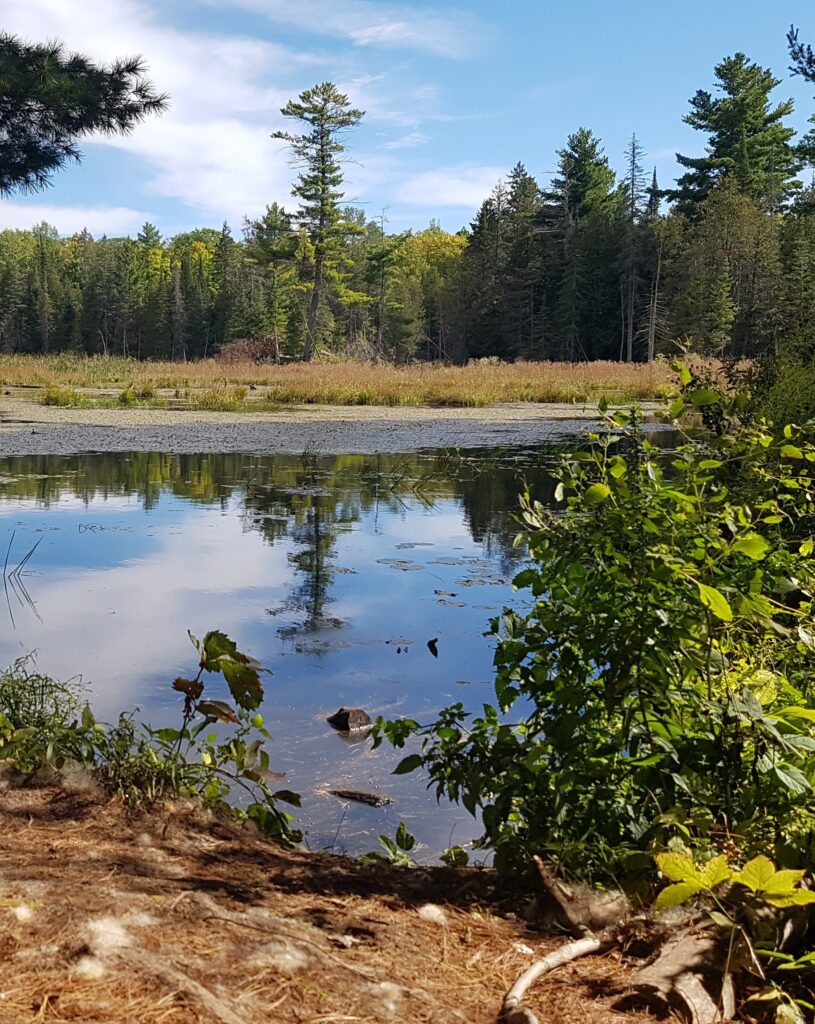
{"x":479,"y":383}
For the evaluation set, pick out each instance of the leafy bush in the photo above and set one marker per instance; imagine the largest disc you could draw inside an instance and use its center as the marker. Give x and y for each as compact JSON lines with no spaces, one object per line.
{"x":41,"y":730}
{"x":659,"y":690}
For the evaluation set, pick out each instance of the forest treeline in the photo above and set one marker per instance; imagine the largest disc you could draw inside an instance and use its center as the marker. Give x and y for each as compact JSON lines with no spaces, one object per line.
{"x":594,"y":264}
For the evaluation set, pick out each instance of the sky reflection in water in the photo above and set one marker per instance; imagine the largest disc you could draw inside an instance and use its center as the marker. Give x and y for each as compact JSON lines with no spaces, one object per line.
{"x":334,"y":572}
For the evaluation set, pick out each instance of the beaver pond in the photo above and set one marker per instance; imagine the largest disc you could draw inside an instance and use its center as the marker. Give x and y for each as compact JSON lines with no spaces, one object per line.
{"x":334,"y":571}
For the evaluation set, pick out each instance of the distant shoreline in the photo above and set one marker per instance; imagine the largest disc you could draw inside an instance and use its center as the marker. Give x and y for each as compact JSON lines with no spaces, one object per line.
{"x":28,"y":428}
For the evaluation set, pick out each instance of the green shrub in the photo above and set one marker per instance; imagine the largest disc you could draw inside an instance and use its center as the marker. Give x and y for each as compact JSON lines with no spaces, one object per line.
{"x":659,"y":688}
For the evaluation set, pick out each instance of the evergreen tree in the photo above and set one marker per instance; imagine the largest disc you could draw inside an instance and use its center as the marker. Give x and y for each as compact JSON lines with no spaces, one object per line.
{"x":747,"y":140}
{"x":328,"y":114}
{"x":50,"y":98}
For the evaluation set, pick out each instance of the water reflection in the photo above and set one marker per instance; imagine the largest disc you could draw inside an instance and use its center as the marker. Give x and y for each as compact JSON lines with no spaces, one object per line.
{"x":334,"y":571}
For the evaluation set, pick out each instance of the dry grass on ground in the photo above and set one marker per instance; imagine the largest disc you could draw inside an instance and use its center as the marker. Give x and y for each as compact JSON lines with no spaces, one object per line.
{"x":480,"y":383}
{"x":178,"y":920}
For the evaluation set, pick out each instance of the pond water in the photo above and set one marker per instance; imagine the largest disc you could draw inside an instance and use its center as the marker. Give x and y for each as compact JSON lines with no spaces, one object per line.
{"x":333,"y":571}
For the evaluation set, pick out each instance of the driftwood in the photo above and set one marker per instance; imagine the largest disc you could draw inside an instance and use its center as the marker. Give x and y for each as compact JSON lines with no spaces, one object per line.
{"x":361,"y":797}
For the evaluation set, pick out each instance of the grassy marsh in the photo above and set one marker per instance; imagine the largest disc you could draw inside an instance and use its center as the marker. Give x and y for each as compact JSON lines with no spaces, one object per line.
{"x":219,"y":386}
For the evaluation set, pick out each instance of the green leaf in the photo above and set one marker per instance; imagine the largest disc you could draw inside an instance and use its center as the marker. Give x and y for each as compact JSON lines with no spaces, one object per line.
{"x":791,"y":451}
{"x":684,"y":375}
{"x":753,"y":545}
{"x":408,"y":764}
{"x":675,"y":895}
{"x":404,"y":840}
{"x":88,"y":721}
{"x":215,"y":645}
{"x":288,"y":797}
{"x":807,"y":547}
{"x":243,"y":682}
{"x":794,"y":712}
{"x":716,"y":601}
{"x":559,"y":492}
{"x":596,"y":494}
{"x":676,"y":408}
{"x":704,"y":396}
{"x":715,"y":871}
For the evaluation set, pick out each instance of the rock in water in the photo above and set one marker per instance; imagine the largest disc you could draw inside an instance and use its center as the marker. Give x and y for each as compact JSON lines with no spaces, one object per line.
{"x":349,"y":719}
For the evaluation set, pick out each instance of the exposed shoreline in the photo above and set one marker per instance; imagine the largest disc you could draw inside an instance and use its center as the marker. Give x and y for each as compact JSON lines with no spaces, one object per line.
{"x":28,"y":428}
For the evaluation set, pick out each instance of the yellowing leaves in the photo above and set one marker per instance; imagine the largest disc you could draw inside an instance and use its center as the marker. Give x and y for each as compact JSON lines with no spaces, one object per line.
{"x":759,"y":875}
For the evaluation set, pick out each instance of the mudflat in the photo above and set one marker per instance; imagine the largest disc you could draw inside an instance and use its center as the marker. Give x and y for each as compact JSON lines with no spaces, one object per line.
{"x":28,"y":428}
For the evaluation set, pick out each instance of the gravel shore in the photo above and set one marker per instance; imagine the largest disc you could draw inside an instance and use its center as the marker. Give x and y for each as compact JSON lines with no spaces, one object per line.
{"x":27,"y":428}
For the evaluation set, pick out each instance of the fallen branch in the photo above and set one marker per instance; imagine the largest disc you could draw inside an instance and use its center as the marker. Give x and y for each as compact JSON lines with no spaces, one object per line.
{"x":511,"y":1011}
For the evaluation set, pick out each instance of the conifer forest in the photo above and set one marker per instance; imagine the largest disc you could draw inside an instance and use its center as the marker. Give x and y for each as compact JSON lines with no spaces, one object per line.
{"x":601,"y":261}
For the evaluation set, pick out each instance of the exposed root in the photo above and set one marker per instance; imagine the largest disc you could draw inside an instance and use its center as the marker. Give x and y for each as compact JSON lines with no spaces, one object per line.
{"x":511,"y":1010}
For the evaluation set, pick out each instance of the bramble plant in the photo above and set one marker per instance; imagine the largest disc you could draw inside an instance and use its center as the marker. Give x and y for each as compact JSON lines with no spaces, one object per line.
{"x":659,"y":688}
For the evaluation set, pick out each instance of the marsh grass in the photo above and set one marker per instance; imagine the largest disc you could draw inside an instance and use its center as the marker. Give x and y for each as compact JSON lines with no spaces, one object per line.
{"x":220,"y":386}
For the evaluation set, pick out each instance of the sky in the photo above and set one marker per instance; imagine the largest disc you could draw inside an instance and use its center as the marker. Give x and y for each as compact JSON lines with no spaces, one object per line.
{"x":454,"y":97}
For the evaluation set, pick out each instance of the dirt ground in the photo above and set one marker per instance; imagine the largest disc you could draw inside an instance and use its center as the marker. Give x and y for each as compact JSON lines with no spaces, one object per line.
{"x":175,"y":918}
{"x":28,"y":428}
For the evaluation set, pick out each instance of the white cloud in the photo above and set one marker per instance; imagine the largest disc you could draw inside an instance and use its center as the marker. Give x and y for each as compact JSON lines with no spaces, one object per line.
{"x":450,"y":186}
{"x":99,"y":220}
{"x":408,"y":141}
{"x":446,"y":33}
{"x":212,"y":151}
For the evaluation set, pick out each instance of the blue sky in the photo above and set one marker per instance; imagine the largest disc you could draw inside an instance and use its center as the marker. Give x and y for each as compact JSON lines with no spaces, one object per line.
{"x":454,"y":95}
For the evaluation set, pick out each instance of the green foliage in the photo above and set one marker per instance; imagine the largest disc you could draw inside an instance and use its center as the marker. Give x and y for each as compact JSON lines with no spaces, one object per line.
{"x":736,"y":898}
{"x":50,"y":99}
{"x":395,"y":851}
{"x":659,"y":688}
{"x":41,"y":730}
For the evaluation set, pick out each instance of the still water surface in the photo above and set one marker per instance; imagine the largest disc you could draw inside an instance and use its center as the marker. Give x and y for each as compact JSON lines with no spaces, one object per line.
{"x":332,"y":571}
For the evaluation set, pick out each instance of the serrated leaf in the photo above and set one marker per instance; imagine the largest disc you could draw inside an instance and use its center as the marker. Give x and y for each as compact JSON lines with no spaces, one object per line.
{"x":243,"y":682}
{"x":807,"y":547}
{"x":714,"y":872}
{"x":408,"y":764}
{"x":756,"y":873}
{"x":677,"y":867}
{"x":675,"y":895}
{"x":716,"y":601}
{"x":753,"y":545}
{"x":215,"y":645}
